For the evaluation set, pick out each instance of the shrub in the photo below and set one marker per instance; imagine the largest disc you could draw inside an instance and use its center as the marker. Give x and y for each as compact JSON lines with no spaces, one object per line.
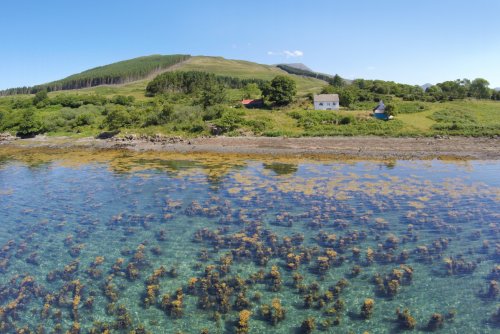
{"x":20,"y":103}
{"x":29,"y":125}
{"x":390,"y":109}
{"x":346,"y":120}
{"x":258,"y":125}
{"x":214,"y":112}
{"x":116,"y":117}
{"x":40,"y":98}
{"x":123,"y":100}
{"x":84,"y":119}
{"x":230,"y":120}
{"x":160,"y":115}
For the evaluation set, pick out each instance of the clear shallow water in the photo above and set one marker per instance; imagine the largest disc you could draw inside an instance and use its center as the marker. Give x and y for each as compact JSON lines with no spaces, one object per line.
{"x":82,"y":234}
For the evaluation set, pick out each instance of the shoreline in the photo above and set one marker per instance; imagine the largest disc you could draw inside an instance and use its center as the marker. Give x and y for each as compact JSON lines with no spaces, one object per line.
{"x":404,"y":148}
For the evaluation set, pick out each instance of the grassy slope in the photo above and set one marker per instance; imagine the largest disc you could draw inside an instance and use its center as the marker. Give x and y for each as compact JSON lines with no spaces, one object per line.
{"x":245,"y":70}
{"x":484,"y":112}
{"x":217,"y":65}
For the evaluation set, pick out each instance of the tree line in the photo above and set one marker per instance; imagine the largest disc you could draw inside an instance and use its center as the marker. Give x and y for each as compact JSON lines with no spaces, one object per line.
{"x":361,"y":90}
{"x":189,"y":82}
{"x":116,"y":73}
{"x":335,"y":80}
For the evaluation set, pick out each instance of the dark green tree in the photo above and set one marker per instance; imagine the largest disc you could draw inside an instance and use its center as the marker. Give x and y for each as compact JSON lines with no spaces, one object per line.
{"x":251,"y":91}
{"x":347,"y":97}
{"x":29,"y":125}
{"x":495,"y":96}
{"x":479,"y":89}
{"x":337,"y":81}
{"x":212,"y":94}
{"x":281,"y":90}
{"x":40,"y":98}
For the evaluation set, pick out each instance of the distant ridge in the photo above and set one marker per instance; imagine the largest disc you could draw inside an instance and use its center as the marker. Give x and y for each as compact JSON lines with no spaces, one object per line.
{"x":299,"y":66}
{"x":425,"y":86}
{"x":307,"y":73}
{"x":497,"y":89}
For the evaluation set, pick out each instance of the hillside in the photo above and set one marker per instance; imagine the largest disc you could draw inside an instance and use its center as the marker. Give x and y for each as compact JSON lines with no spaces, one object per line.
{"x":248,"y":70}
{"x":297,"y":70}
{"x":217,"y":65}
{"x":112,"y":74}
{"x":130,"y":77}
{"x":300,"y":66}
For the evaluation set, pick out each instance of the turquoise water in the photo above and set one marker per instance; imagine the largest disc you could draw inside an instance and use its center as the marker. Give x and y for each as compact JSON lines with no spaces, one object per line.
{"x":83,"y":233}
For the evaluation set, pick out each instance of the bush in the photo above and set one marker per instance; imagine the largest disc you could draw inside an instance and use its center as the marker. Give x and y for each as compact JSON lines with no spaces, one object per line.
{"x":390,"y":109}
{"x":116,"y":117}
{"x":346,"y":120}
{"x":123,"y":100}
{"x":160,"y":115}
{"x":29,"y":125}
{"x":214,"y":112}
{"x":84,"y":119}
{"x":230,"y":120}
{"x":76,"y":101}
{"x":20,"y":103}
{"x":258,"y":126}
{"x":40,"y":98}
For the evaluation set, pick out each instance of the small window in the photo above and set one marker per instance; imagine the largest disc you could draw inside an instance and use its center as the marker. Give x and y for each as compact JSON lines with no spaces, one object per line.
{"x":321,"y":103}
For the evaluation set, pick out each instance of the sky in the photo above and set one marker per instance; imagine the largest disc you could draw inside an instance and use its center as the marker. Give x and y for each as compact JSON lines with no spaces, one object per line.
{"x":407,"y":41}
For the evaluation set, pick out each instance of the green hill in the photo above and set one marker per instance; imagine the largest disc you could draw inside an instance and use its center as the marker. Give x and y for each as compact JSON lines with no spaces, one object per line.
{"x":248,"y":70}
{"x":130,"y":77}
{"x":112,"y":74}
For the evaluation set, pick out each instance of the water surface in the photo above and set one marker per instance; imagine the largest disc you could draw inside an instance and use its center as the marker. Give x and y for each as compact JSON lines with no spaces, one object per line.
{"x":112,"y":240}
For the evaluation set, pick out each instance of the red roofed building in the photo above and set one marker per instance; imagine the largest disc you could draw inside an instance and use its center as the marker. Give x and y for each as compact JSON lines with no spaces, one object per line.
{"x":256,"y":103}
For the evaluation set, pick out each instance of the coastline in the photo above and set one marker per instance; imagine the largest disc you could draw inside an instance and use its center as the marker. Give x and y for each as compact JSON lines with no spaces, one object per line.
{"x":405,"y":148}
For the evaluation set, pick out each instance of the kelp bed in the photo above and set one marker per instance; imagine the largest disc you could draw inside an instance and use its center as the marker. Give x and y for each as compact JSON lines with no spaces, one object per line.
{"x":122,"y":242}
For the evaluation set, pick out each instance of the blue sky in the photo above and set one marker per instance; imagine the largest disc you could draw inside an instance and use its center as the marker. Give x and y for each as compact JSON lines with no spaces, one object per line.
{"x":408,"y":41}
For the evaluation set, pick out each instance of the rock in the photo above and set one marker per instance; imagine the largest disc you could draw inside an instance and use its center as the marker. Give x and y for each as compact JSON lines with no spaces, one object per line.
{"x":6,"y":137}
{"x":107,"y":134}
{"x":215,"y":130}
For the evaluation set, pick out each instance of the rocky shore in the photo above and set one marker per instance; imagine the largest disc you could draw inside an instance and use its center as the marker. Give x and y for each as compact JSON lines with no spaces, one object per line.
{"x":484,"y":148}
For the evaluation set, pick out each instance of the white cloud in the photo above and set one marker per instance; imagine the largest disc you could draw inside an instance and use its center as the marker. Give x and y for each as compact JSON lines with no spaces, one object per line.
{"x":287,"y":53}
{"x":292,"y":54}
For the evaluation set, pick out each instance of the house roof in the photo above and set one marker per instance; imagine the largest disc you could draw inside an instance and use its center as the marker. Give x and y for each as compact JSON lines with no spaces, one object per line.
{"x":326,"y":98}
{"x":248,"y":101}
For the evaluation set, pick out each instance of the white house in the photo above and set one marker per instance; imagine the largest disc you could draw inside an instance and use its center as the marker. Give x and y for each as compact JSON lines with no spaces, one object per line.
{"x":326,"y":102}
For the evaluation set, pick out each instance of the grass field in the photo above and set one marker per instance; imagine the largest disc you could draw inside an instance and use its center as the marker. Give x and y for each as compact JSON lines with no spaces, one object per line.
{"x":482,"y":118}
